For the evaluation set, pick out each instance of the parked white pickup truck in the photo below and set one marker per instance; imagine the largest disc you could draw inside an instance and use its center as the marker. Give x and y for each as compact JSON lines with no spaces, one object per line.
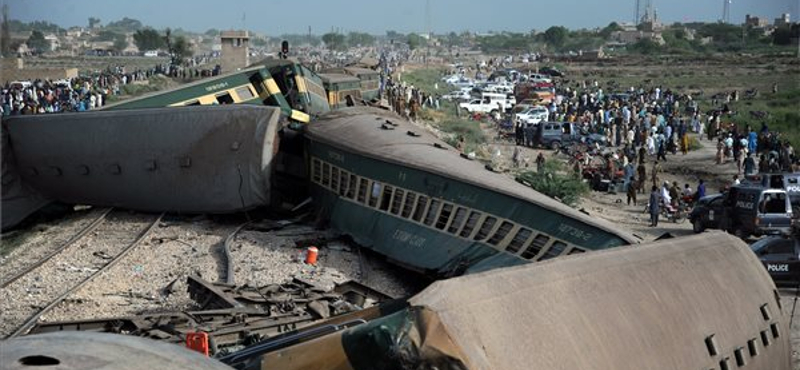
{"x":488,"y":105}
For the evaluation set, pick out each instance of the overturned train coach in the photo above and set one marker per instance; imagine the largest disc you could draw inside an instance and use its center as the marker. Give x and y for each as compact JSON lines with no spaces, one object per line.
{"x":699,"y":302}
{"x":194,"y":159}
{"x":410,"y":196}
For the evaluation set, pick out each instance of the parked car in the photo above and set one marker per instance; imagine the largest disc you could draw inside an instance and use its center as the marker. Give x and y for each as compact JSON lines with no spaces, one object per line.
{"x":744,"y":210}
{"x":786,"y":181}
{"x":551,"y":71}
{"x":780,"y":256}
{"x":706,"y":212}
{"x":457,"y":95}
{"x":534,"y":115}
{"x":554,"y":135}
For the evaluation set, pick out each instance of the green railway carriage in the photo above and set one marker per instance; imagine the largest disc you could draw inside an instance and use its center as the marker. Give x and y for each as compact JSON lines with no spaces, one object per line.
{"x":407,"y":195}
{"x":343,"y":90}
{"x":249,"y":86}
{"x":370,"y":80}
{"x":301,"y":86}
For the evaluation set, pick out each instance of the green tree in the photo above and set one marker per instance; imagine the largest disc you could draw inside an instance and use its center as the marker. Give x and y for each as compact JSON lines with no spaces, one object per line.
{"x":5,"y":33}
{"x":608,"y":30}
{"x":360,"y":38}
{"x":93,"y":21}
{"x":148,"y":39}
{"x":556,"y":36}
{"x":126,"y":24}
{"x":334,"y":41}
{"x":37,"y":42}
{"x":415,"y":41}
{"x":212,"y":32}
{"x":646,"y":46}
{"x":120,"y":43}
{"x":106,"y":35}
{"x":181,"y":49}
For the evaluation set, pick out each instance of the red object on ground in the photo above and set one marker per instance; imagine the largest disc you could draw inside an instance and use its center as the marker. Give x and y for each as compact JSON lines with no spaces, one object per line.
{"x":197,"y":342}
{"x":311,"y":255}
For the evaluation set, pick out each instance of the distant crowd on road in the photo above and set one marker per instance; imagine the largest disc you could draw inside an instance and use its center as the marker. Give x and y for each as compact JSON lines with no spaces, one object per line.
{"x":82,"y":93}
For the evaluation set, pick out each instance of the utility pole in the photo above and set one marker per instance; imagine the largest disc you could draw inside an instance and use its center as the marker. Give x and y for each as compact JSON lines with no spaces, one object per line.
{"x":428,"y":29}
{"x":636,"y":15}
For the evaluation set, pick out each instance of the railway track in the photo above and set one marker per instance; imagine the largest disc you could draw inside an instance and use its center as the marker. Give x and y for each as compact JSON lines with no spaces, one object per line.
{"x":83,"y":231}
{"x":37,"y":289}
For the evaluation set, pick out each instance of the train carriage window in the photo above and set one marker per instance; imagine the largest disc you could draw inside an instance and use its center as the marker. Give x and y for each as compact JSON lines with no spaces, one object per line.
{"x":344,"y":183}
{"x":375,"y":194}
{"x":244,"y":93}
{"x":536,"y":246}
{"x":433,"y":210}
{"x":486,"y":227}
{"x":257,"y":82}
{"x":472,"y":221}
{"x":335,"y":179}
{"x":519,"y":239}
{"x":419,"y":210}
{"x":316,"y":171}
{"x":351,"y":191}
{"x":458,"y":220}
{"x":408,"y":206}
{"x":555,"y":250}
{"x":444,"y":216}
{"x":575,"y":251}
{"x":224,"y":98}
{"x":326,"y":174}
{"x":500,"y":234}
{"x":363,"y":185}
{"x":397,"y":201}
{"x":386,"y":199}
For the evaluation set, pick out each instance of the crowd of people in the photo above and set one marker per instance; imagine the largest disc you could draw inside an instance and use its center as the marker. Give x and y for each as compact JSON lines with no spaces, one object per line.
{"x":82,"y":93}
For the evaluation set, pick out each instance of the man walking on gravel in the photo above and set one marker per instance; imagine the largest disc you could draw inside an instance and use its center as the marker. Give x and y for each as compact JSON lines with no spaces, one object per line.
{"x":654,"y":206}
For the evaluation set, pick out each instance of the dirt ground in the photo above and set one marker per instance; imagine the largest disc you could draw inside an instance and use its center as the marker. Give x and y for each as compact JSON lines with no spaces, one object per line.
{"x":683,"y":169}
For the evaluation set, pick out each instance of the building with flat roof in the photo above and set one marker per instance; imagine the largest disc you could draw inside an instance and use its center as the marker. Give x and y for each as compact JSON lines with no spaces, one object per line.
{"x":235,"y":50}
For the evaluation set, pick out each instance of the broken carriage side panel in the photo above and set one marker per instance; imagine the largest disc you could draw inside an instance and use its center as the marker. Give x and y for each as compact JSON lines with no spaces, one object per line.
{"x":248,"y":86}
{"x":302,"y":87}
{"x":197,"y":159}
{"x":369,"y":80}
{"x":429,"y":209}
{"x":687,"y":303}
{"x":340,"y":88}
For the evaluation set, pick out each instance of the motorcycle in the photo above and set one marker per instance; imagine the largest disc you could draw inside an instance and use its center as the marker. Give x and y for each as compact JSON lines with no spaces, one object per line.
{"x":676,"y":214}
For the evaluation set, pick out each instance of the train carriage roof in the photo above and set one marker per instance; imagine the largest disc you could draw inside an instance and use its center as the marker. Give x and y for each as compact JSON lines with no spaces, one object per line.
{"x":357,"y":130}
{"x":336,"y":78}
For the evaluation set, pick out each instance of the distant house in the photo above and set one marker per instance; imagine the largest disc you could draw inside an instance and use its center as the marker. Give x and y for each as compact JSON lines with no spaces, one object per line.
{"x":755,"y":22}
{"x":631,"y":37}
{"x":783,"y":20}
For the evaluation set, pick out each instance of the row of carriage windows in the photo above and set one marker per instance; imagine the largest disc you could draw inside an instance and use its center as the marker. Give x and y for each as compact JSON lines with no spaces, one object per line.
{"x":435,"y":213}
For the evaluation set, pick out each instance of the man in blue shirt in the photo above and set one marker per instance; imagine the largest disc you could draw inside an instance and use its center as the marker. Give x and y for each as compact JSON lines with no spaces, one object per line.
{"x":701,"y":190}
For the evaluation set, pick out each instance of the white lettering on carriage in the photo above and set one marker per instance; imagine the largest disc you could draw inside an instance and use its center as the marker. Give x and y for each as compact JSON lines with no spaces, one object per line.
{"x":338,"y":157}
{"x":218,"y":86}
{"x":408,"y":238}
{"x":576,"y":233}
{"x":745,"y":205}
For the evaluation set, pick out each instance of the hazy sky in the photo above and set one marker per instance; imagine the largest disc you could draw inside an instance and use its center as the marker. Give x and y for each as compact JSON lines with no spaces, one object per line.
{"x":274,"y":17}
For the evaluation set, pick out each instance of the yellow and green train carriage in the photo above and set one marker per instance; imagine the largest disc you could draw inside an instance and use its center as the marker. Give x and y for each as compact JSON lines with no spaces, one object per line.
{"x":249,"y":86}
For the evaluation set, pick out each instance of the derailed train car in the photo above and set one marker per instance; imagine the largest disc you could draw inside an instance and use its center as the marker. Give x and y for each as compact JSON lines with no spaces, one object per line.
{"x":699,"y":302}
{"x":409,"y":196}
{"x":250,"y":86}
{"x":195,"y":159}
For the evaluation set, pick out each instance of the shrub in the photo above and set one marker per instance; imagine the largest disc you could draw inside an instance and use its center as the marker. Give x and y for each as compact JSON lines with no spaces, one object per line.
{"x":555,"y":182}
